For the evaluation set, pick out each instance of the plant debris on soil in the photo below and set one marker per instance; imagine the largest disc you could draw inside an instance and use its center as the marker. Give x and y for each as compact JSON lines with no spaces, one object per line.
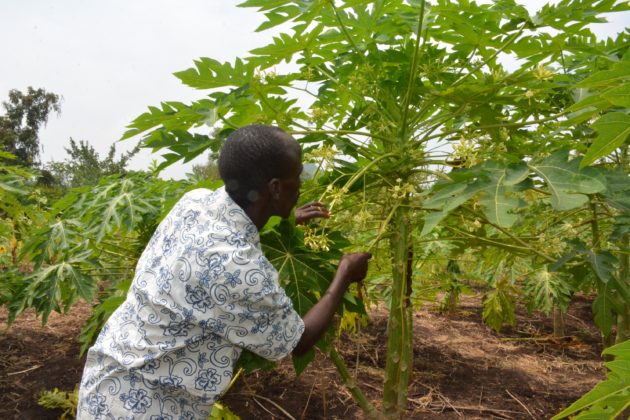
{"x":462,"y":369}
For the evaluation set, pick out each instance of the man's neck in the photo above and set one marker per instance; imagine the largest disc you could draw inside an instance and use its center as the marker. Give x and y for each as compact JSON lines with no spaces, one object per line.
{"x":258,"y":213}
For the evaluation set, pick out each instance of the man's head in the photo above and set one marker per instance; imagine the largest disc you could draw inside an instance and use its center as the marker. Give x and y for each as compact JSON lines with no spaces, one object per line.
{"x":262,"y":162}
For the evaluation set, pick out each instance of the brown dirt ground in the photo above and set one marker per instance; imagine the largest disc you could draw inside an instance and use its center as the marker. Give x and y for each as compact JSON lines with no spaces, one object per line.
{"x":461,"y":368}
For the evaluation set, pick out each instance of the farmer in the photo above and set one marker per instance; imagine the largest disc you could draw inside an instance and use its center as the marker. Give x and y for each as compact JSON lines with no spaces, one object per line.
{"x":203,"y":291}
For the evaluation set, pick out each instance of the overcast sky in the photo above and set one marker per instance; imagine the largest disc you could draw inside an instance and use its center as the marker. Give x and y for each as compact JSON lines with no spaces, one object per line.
{"x":111,"y":59}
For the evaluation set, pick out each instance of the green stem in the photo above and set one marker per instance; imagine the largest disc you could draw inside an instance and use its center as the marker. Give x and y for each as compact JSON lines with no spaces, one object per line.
{"x":594,"y":227}
{"x":492,"y":57}
{"x":383,"y":229}
{"x":485,"y":127}
{"x":514,"y":238}
{"x":351,"y":385}
{"x":348,"y":132}
{"x":412,"y":75}
{"x":344,"y":29}
{"x":399,"y":328}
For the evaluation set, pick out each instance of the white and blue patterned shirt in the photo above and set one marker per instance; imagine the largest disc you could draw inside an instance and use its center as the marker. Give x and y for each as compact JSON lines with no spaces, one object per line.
{"x":202,"y":292}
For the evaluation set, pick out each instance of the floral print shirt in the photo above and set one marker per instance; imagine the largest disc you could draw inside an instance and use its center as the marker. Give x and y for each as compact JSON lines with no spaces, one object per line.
{"x":202,"y":292}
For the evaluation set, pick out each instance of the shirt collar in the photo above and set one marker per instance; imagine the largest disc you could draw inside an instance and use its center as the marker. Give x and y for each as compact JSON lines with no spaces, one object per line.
{"x":237,"y":215}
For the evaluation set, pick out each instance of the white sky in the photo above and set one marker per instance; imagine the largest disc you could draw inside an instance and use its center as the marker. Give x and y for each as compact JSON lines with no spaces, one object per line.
{"x":111,"y":59}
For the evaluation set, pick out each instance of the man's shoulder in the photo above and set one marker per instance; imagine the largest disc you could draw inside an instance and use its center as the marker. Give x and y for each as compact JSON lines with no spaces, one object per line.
{"x":205,"y":194}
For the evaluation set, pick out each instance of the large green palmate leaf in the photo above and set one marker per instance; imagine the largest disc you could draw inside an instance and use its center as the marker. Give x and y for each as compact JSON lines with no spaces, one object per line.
{"x":63,"y":282}
{"x":613,"y":129}
{"x":496,"y":185}
{"x":609,"y":398}
{"x":304,"y":274}
{"x":567,"y":183}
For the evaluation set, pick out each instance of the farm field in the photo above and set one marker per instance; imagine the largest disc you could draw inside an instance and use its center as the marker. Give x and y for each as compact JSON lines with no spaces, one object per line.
{"x":461,"y":368}
{"x":476,"y":153}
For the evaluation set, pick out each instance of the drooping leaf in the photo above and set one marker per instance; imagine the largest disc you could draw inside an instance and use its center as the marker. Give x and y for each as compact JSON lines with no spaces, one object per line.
{"x":603,"y":264}
{"x":499,"y":305}
{"x":603,"y":309}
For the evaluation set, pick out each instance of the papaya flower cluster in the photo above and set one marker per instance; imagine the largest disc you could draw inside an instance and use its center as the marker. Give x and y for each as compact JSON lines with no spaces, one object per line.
{"x":334,"y":195}
{"x":315,"y":240}
{"x":401,"y":190}
{"x":326,"y":154}
{"x":465,"y":152}
{"x":543,"y":73}
{"x":551,"y":244}
{"x":361,"y":218}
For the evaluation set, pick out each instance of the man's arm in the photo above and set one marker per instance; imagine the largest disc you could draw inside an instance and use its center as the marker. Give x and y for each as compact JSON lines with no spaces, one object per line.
{"x":352,"y":268}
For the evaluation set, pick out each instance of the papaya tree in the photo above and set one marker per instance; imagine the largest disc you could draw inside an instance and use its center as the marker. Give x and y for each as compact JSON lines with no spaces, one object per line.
{"x":21,"y":208}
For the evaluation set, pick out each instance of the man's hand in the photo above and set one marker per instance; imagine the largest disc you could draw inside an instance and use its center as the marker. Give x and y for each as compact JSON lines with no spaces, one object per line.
{"x":353,"y":267}
{"x":310,"y":211}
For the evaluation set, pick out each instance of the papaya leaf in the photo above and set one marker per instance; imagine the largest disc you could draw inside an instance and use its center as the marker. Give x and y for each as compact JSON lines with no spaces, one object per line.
{"x":603,"y":264}
{"x":618,"y":189}
{"x":210,"y":74}
{"x":609,"y":398}
{"x":616,"y":75}
{"x":567,"y":184}
{"x":498,"y":308}
{"x":619,"y":96}
{"x":613,"y":129}
{"x":301,"y":362}
{"x":499,"y":305}
{"x":55,"y":285}
{"x":304,"y":274}
{"x":603,"y":310}
{"x":498,"y":200}
{"x":547,"y":289}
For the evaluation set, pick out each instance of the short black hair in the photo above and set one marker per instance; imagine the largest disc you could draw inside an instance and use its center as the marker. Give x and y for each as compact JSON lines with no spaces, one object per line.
{"x":252,"y":156}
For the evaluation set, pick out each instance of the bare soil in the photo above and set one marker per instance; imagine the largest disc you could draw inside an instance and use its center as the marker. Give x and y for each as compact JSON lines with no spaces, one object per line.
{"x":461,"y":368}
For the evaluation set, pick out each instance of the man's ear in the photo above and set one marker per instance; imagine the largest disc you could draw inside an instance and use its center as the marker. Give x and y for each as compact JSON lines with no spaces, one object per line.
{"x":274,"y":188}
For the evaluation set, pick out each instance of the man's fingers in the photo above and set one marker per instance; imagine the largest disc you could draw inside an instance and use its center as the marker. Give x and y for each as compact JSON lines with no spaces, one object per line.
{"x":315,"y":213}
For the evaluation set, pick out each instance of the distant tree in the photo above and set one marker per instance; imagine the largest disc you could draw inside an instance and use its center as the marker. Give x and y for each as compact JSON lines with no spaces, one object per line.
{"x":84,"y":166}
{"x":206,"y":171}
{"x":25,"y":114}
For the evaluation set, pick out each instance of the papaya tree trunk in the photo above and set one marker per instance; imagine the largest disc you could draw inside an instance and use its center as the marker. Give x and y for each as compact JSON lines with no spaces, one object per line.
{"x":399,"y":328}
